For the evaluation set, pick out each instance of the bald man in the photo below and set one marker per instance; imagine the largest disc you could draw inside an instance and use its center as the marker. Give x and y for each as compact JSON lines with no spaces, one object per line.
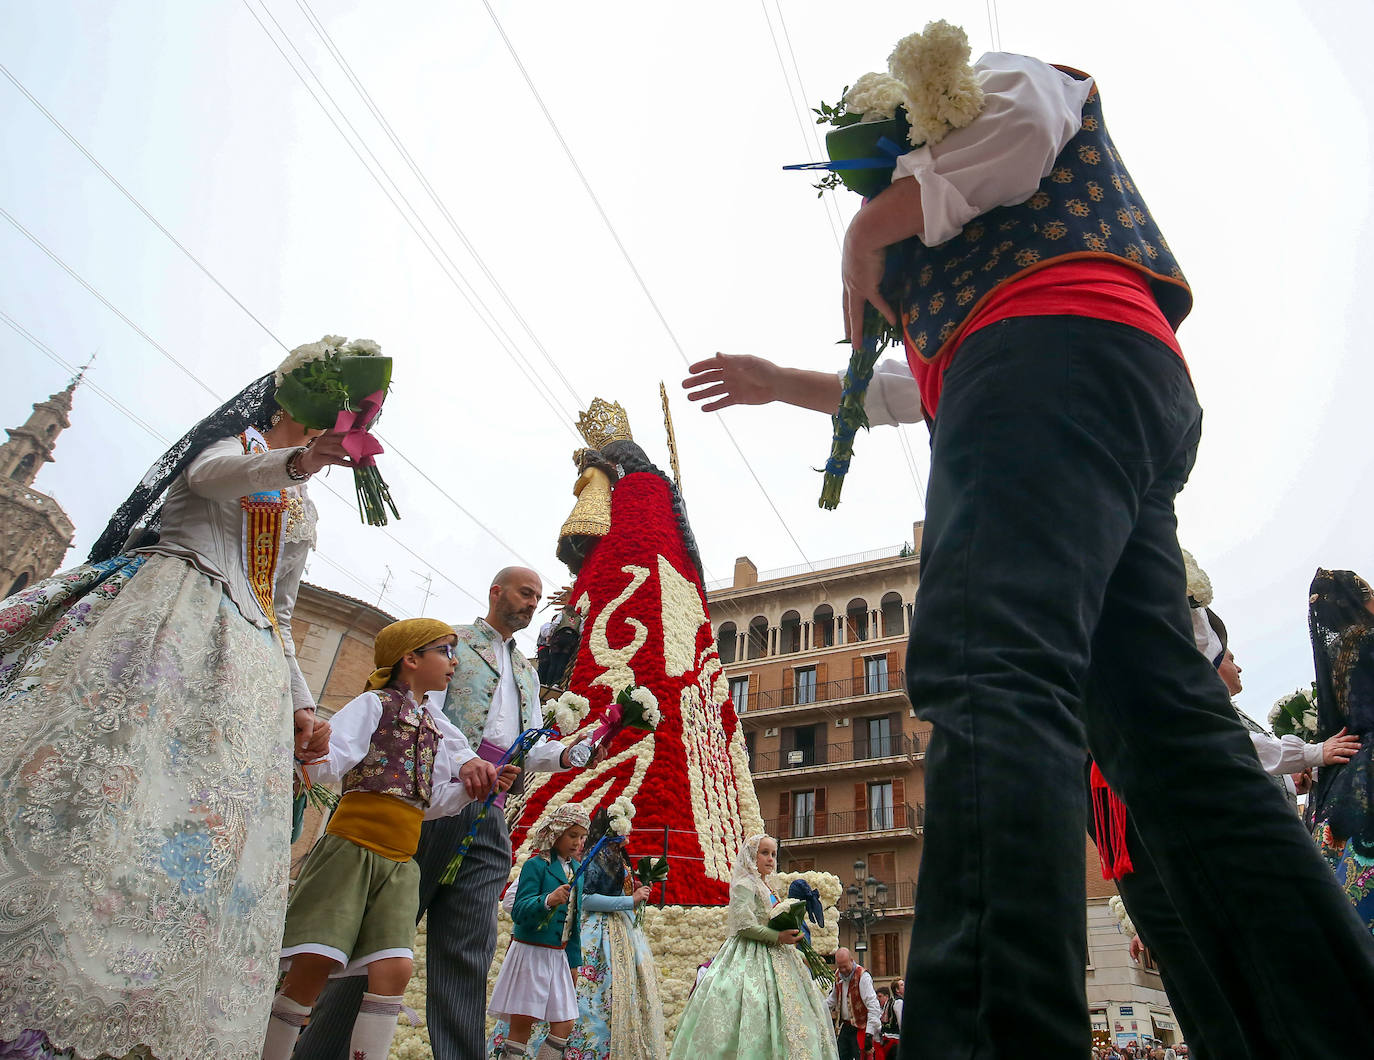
{"x":494,"y":695}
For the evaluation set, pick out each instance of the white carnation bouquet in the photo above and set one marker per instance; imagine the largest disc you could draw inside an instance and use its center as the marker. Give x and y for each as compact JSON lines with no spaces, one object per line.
{"x":567,"y":713}
{"x":1296,"y":715}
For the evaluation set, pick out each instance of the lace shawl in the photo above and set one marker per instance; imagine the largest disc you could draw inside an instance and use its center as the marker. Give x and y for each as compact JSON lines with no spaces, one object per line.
{"x":252,"y":406}
{"x":747,"y":888}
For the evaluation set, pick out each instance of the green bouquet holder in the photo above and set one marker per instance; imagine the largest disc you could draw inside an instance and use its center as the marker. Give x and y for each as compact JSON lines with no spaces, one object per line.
{"x":342,"y":384}
{"x":860,"y":141}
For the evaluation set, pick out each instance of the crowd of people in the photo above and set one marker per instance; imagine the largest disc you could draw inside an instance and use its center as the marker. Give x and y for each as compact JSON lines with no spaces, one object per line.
{"x":152,"y":704}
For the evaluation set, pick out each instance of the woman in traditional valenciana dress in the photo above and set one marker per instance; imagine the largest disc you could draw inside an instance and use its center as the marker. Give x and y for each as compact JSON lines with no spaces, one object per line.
{"x":146,"y":712}
{"x":757,"y":1000}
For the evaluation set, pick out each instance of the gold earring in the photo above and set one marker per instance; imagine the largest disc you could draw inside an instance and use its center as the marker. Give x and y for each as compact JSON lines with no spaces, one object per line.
{"x":276,"y":417}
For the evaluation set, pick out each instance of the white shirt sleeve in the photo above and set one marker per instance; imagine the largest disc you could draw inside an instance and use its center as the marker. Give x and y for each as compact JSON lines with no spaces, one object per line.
{"x":1288,"y":754}
{"x":893,"y":396}
{"x":448,"y":794}
{"x":1031,"y":110}
{"x":869,"y":996}
{"x":350,"y":735}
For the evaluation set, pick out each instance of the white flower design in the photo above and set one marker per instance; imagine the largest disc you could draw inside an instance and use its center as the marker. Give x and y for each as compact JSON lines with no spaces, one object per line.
{"x":648,"y":702}
{"x":363,"y":348}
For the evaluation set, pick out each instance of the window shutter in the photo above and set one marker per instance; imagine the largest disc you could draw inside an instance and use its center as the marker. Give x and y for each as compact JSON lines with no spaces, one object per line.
{"x":858,"y":675}
{"x":860,"y":805}
{"x":784,"y":814}
{"x":883,"y":865}
{"x":789,"y":690}
{"x":899,"y":802}
{"x":821,"y":677}
{"x":820,"y":812}
{"x":894,"y":664}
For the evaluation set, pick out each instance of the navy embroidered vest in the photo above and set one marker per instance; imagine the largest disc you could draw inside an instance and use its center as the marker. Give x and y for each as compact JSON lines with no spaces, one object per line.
{"x":400,"y":758}
{"x":1087,"y":208}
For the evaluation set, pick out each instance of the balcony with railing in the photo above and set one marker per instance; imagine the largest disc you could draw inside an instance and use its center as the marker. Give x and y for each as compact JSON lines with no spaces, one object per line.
{"x":842,"y":825}
{"x":857,"y":754}
{"x":803,"y":695}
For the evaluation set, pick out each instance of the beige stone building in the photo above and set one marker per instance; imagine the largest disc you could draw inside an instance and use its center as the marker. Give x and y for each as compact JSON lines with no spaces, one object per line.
{"x":333,"y":634}
{"x":35,"y":532}
{"x":816,"y":663}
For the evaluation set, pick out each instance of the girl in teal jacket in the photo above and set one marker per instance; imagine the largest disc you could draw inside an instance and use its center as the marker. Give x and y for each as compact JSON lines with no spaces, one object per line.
{"x":537,"y":977}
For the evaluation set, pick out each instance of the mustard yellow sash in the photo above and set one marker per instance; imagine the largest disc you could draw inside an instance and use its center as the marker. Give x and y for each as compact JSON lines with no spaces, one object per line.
{"x":382,"y":824}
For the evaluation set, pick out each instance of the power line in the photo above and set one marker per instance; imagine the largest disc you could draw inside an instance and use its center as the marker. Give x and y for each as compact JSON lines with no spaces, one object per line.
{"x":644,"y":287}
{"x":348,"y":501}
{"x":464,"y":287}
{"x":807,"y":127}
{"x":157,"y":435}
{"x":216,"y":281}
{"x":434,"y":196}
{"x":994,"y":24}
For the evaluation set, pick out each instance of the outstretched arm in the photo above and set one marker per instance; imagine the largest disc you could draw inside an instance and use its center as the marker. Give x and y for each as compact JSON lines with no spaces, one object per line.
{"x":734,"y":379}
{"x":740,"y":379}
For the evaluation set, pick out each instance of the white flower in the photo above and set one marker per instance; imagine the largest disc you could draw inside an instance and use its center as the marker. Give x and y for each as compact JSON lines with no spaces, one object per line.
{"x":622,"y":807}
{"x":333,"y":341}
{"x":313,"y":351}
{"x":363,"y":348}
{"x":578,"y":705}
{"x":1199,"y":585}
{"x":566,"y":720}
{"x":876,"y":96}
{"x":648,"y":702}
{"x":942,"y":92}
{"x":621,"y":825}
{"x":786,"y":905}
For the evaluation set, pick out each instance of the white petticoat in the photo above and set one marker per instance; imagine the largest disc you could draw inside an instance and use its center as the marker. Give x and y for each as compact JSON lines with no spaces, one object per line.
{"x":534,"y":981}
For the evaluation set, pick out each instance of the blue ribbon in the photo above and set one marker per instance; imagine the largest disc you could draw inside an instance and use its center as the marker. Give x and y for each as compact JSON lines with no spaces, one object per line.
{"x":891,"y":152}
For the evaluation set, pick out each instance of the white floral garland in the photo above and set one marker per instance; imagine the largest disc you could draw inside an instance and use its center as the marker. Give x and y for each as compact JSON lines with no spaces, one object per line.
{"x":1199,"y":585}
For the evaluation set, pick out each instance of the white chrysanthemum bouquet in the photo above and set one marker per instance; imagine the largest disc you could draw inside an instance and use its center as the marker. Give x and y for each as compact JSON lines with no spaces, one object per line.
{"x":339,"y":385}
{"x":929,"y":89}
{"x":1296,"y":715}
{"x":567,"y":713}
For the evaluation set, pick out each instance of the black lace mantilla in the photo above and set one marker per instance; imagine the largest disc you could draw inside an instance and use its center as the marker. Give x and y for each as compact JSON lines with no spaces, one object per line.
{"x":252,"y":406}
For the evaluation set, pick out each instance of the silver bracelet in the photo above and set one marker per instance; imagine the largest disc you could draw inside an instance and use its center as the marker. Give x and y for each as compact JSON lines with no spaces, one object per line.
{"x":292,"y":471}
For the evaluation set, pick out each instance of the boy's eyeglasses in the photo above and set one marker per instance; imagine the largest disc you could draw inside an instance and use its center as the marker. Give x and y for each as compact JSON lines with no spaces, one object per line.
{"x":450,"y":651}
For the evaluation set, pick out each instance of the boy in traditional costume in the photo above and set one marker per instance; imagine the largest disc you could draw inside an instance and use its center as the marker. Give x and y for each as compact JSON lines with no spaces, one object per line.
{"x":354,"y":907}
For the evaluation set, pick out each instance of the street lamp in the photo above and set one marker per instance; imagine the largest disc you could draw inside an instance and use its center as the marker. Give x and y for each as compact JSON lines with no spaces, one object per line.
{"x":867,"y":904}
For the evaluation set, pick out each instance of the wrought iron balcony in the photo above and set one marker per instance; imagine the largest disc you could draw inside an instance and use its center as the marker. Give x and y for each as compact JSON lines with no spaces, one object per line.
{"x":799,"y":827}
{"x":910,"y":745}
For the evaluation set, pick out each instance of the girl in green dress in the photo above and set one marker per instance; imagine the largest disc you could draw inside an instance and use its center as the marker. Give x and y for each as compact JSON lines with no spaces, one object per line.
{"x":757,"y":1001}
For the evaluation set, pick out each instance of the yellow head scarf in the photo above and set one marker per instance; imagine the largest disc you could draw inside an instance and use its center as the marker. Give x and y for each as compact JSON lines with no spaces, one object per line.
{"x":398,"y":640}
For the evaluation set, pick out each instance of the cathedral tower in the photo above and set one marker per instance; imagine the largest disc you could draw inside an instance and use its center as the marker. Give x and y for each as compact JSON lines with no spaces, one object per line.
{"x":35,"y":532}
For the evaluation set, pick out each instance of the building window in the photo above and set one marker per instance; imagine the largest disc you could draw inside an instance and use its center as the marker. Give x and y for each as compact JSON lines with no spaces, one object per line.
{"x":789,"y":633}
{"x":803,"y":814}
{"x":880,"y":806}
{"x":25,"y":465}
{"x":804,"y":684}
{"x":800,"y":747}
{"x":875,"y":674}
{"x":856,"y":621}
{"x":727,"y":641}
{"x":823,"y":627}
{"x":757,"y":645}
{"x":739,"y":692}
{"x":879,"y":732}
{"x":885,"y":955}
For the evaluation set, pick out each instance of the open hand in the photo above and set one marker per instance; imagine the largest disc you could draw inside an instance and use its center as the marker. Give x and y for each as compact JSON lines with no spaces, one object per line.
{"x":1340,"y":748}
{"x":478,"y":777}
{"x":731,"y":379}
{"x":1136,"y":948}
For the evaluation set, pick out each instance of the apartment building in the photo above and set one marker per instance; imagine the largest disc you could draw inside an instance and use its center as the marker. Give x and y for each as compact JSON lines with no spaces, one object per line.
{"x":815,"y":661}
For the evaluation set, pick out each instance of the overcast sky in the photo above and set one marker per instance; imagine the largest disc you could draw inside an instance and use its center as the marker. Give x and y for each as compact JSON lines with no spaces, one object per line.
{"x":1246,"y":127}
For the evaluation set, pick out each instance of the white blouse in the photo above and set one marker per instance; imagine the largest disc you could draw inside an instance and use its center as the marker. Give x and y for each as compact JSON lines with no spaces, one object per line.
{"x":1031,"y":110}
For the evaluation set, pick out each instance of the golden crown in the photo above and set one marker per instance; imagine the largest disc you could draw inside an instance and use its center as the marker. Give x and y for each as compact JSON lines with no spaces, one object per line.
{"x":604,"y":422}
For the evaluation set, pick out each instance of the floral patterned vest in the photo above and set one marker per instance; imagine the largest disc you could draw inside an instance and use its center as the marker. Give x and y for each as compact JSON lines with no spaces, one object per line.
{"x":1087,"y":208}
{"x":400,"y":759}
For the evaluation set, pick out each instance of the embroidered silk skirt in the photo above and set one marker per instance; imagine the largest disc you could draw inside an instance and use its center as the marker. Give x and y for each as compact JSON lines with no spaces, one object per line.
{"x":145,"y":800}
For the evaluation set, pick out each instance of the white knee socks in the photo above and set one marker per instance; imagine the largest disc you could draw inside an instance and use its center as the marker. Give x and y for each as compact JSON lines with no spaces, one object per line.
{"x":374,"y":1028}
{"x":552,"y":1049}
{"x":510,"y":1048}
{"x":284,"y":1026}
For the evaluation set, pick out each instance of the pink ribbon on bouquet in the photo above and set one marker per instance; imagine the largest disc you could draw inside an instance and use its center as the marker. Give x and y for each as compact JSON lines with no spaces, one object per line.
{"x":611,"y":723}
{"x":355,"y":426}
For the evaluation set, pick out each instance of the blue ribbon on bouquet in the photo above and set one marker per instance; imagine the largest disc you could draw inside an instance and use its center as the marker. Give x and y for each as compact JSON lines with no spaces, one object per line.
{"x":515,"y":755}
{"x":596,"y":849}
{"x":891,"y":152}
